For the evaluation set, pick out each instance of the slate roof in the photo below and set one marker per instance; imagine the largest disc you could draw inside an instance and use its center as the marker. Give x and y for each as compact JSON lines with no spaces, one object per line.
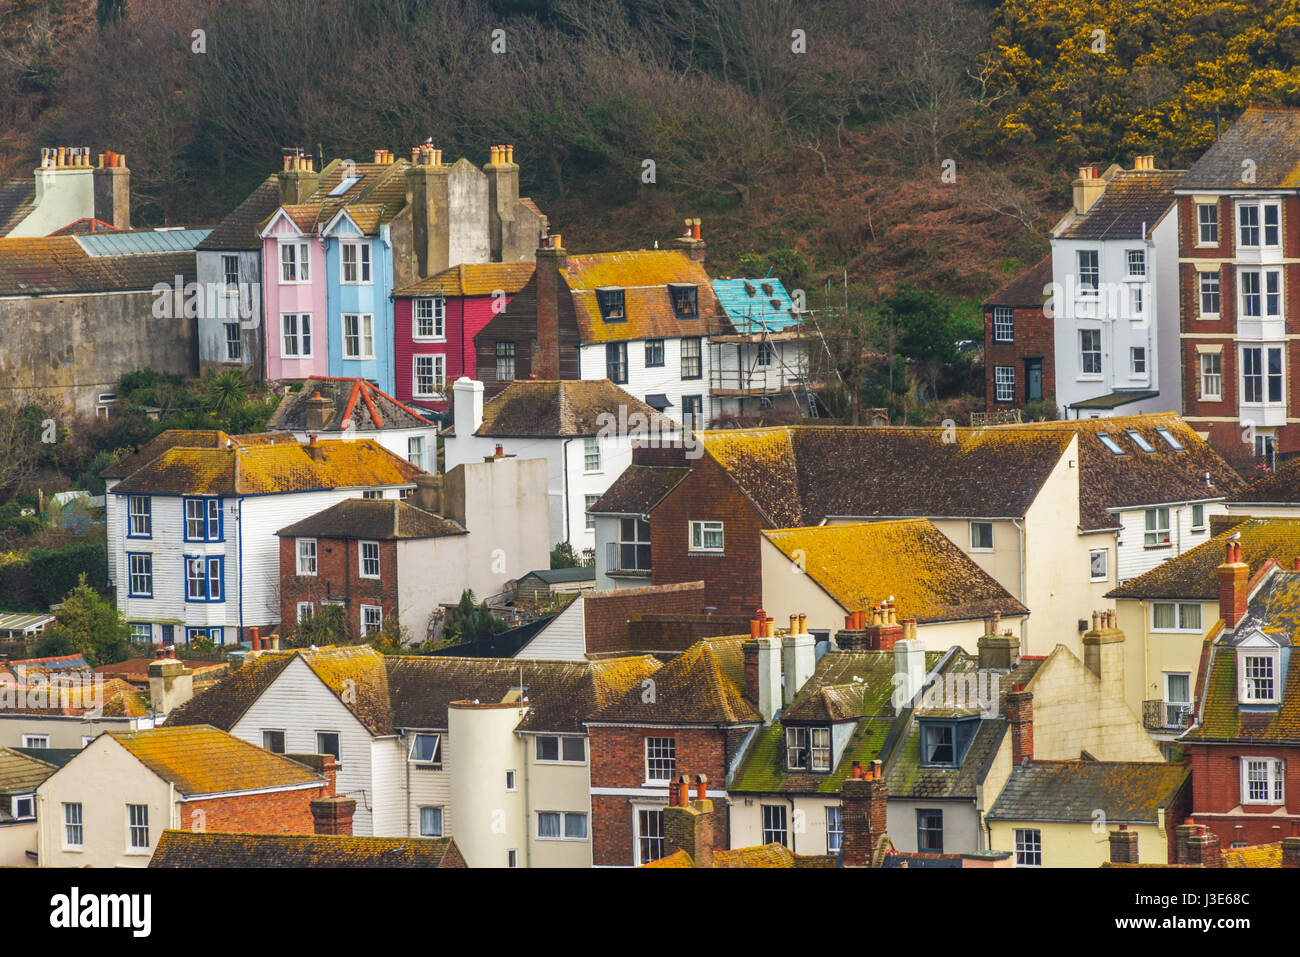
{"x":1133,"y":200}
{"x":59,"y":265}
{"x":21,"y":773}
{"x":1127,"y":792}
{"x":644,"y":276}
{"x":269,"y":469}
{"x":1193,"y":574}
{"x":757,"y":305}
{"x":1138,"y":478}
{"x":401,"y":691}
{"x":366,"y":406}
{"x":1267,"y":136}
{"x":201,"y":759}
{"x":16,"y":198}
{"x":383,"y":520}
{"x":472,"y":279}
{"x":1280,"y":488}
{"x":217,"y":849}
{"x":799,"y":475}
{"x":1274,"y":609}
{"x":638,"y":489}
{"x":702,"y":685}
{"x":562,"y":576}
{"x":239,"y":229}
{"x":927,"y":574}
{"x":550,"y":408}
{"x":1026,"y":288}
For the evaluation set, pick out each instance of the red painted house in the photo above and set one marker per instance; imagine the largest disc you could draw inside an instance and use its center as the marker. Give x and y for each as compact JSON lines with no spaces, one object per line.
{"x":436,"y":321}
{"x":1244,"y":744}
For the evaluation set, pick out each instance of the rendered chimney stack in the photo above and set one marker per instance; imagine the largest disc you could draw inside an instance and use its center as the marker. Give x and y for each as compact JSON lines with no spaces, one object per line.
{"x":1088,"y":188}
{"x":798,"y":658}
{"x":762,"y":668}
{"x":1103,"y":651}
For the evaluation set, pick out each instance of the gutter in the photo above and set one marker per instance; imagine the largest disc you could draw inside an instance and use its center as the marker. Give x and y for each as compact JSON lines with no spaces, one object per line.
{"x":1024,"y":622}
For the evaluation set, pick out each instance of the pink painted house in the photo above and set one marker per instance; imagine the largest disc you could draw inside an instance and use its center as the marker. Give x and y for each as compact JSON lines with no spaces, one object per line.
{"x":436,"y":321}
{"x":293,"y":261}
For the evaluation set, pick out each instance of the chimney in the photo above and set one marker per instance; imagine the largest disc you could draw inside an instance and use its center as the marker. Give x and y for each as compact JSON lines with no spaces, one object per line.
{"x":864,"y":798}
{"x":1202,"y":847}
{"x":688,"y":825}
{"x":1020,"y":715}
{"x":314,"y":449}
{"x":170,"y":685}
{"x":255,"y":638}
{"x":320,"y":412}
{"x":882,"y":629}
{"x":503,"y":199}
{"x":467,"y":406}
{"x":428,"y":195}
{"x":1182,"y":835}
{"x":1234,"y":578}
{"x":551,"y":258}
{"x":1291,"y":847}
{"x":690,"y":241}
{"x":763,"y":670}
{"x":273,"y":641}
{"x":1123,"y":846}
{"x":112,"y":189}
{"x":1103,"y":651}
{"x":1087,"y":189}
{"x":1144,"y":163}
{"x":909,"y":671}
{"x":333,"y":815}
{"x":428,"y":493}
{"x":997,"y":651}
{"x":799,"y":658}
{"x":298,"y":179}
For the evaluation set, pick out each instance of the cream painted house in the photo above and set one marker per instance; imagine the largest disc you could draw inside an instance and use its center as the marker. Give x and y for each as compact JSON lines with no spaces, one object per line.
{"x":20,"y":775}
{"x":43,"y":715}
{"x":434,"y":746}
{"x":829,"y":572}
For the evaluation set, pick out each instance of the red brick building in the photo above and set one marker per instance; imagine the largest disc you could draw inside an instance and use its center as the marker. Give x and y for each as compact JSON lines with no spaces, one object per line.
{"x":1244,"y":744}
{"x":690,"y":717}
{"x":1239,"y":285}
{"x":1019,"y":341}
{"x":354,"y":554}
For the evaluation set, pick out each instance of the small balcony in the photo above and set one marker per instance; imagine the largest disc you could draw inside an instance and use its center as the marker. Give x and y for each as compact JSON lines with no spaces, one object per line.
{"x":627,"y":559}
{"x":1160,"y":715}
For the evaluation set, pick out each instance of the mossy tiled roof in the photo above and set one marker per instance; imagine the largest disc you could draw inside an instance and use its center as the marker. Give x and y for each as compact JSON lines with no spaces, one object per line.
{"x":1257,"y":855}
{"x":1193,"y":574}
{"x":550,"y":408}
{"x":239,"y":229}
{"x":269,"y":469}
{"x":21,"y":773}
{"x":702,"y":685}
{"x":381,"y":519}
{"x":224,"y":703}
{"x":800,"y":475}
{"x":201,"y":759}
{"x":60,"y":265}
{"x":1222,"y":719}
{"x":1127,"y":792}
{"x":927,"y":574}
{"x":473,"y":279}
{"x":1280,"y":488}
{"x":638,"y":489}
{"x":216,"y":849}
{"x":354,"y":400}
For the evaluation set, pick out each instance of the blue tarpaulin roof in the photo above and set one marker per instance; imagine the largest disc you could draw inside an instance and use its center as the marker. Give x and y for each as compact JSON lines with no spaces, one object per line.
{"x":753,"y":304}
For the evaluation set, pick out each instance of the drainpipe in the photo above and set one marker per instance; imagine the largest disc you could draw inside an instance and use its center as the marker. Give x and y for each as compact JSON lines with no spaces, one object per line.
{"x":528,"y":814}
{"x":794,"y":840}
{"x":407,"y":761}
{"x":1024,"y":622}
{"x":565,"y":457}
{"x":239,"y":558}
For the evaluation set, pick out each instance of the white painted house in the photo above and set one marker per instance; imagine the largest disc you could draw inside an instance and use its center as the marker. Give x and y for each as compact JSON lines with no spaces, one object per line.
{"x":584,"y":429}
{"x":1115,"y":294}
{"x":192,"y":549}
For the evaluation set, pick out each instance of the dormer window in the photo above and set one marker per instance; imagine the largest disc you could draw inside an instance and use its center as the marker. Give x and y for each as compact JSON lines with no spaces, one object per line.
{"x":612,"y":305}
{"x":1257,"y":670}
{"x":686,"y":300}
{"x":808,"y":749}
{"x":944,"y":743}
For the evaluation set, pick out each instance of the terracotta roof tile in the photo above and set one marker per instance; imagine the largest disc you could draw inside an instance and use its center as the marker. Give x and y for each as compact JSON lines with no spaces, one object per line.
{"x":473,"y":279}
{"x":60,"y":265}
{"x":702,"y":685}
{"x":201,"y":759}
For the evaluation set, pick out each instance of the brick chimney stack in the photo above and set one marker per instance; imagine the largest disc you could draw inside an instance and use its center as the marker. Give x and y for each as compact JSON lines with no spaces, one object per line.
{"x":1234,"y":577}
{"x":1291,"y":847}
{"x":333,"y":815}
{"x":691,"y":242}
{"x":1123,"y":846}
{"x":865,"y":798}
{"x":298,"y":179}
{"x":998,"y":650}
{"x":688,"y":825}
{"x":320,"y":410}
{"x":551,"y":258}
{"x":1020,"y":715}
{"x":112,"y":191}
{"x":1202,"y":847}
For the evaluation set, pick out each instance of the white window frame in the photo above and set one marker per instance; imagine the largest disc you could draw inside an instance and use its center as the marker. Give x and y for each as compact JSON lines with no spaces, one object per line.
{"x":835,"y":830}
{"x":31,"y":740}
{"x":1090,"y":277}
{"x":73,"y":817}
{"x":305,"y":610}
{"x":638,"y":836}
{"x":134,"y":827}
{"x":1137,"y":356}
{"x":1274,"y":777}
{"x":361,"y":338}
{"x":299,"y":263}
{"x":307,"y":556}
{"x":1105,"y":564}
{"x":368,"y":626}
{"x":434,"y":378}
{"x":1211,"y":379}
{"x":1181,"y":611}
{"x":1004,"y":324}
{"x":1170,"y":702}
{"x":699,"y":531}
{"x":591,"y":457}
{"x":562,"y":819}
{"x":1246,"y":688}
{"x":974,"y":546}
{"x":433,"y":311}
{"x":1261,"y":210}
{"x":359,"y":266}
{"x":1004,"y":383}
{"x":300,"y":336}
{"x":1209,"y":284}
{"x":363,"y":559}
{"x":432,"y":762}
{"x":1198,"y":518}
{"x":1084,"y":353}
{"x":17,"y":804}
{"x":1161,"y":515}
{"x":1029,"y":847}
{"x":665,"y":749}
{"x":559,"y":740}
{"x":1135,"y":258}
{"x":415,"y":450}
{"x":1268,"y":301}
{"x":1204,"y":223}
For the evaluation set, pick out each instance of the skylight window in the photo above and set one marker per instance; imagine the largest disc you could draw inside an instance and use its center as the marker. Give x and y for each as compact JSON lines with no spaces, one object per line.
{"x":347,"y":183}
{"x":1110,"y":443}
{"x":1140,"y":440}
{"x":1168,"y":437}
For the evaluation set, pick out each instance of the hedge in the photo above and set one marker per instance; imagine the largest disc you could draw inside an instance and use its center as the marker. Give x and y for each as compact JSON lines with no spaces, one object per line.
{"x":44,"y":576}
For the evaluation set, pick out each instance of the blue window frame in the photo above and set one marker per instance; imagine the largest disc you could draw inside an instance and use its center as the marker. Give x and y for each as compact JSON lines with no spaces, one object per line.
{"x":216,"y":634}
{"x":205,"y":578}
{"x":203,"y":520}
{"x":139,"y":574}
{"x":139,"y":516}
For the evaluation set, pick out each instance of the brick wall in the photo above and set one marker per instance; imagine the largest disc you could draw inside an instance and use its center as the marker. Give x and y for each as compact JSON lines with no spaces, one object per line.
{"x":607,"y":613}
{"x":338,"y":578}
{"x":1216,"y":789}
{"x":618,"y":761}
{"x":276,"y":812}
{"x":733,"y":578}
{"x":1033,"y":337}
